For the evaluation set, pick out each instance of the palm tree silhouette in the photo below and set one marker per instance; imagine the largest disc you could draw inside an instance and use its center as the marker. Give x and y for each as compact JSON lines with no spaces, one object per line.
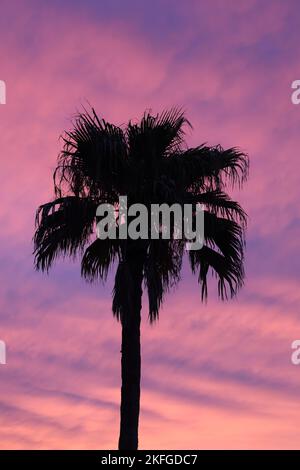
{"x":149,"y":163}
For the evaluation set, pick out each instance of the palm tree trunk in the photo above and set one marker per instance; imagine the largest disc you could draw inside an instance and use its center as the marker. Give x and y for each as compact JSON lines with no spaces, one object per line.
{"x":131,"y":364}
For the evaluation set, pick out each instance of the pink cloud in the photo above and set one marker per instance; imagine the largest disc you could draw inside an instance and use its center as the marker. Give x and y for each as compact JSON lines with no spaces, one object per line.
{"x":206,"y":367}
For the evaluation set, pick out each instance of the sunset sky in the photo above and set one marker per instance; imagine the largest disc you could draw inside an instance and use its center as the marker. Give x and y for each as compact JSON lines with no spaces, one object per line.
{"x":215,"y":375}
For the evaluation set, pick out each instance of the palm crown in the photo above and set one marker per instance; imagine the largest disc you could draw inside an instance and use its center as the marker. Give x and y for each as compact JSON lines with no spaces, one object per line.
{"x":149,"y":163}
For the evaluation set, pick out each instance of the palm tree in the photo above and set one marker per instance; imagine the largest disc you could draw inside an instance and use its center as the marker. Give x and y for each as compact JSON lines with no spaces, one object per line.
{"x":149,"y":163}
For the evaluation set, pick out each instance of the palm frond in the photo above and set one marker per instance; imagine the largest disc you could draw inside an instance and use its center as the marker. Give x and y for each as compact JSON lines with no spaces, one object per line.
{"x":219,"y":203}
{"x":229,"y":271}
{"x":156,"y":136}
{"x":63,"y":227}
{"x":94,"y":158}
{"x":226,"y":235}
{"x":208,"y":167}
{"x":99,"y":257}
{"x":123,"y":292}
{"x":161,"y":271}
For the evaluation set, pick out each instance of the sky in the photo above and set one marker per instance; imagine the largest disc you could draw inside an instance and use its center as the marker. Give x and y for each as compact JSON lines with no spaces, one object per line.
{"x":214,"y":376}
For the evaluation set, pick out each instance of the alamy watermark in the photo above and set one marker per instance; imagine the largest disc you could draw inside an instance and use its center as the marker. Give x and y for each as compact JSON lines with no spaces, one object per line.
{"x":2,"y":92}
{"x":295,"y":357}
{"x":164,"y":222}
{"x":2,"y":352}
{"x":295,"y":96}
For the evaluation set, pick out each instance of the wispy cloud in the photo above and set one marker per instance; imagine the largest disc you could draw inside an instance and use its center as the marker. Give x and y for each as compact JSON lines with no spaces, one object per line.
{"x":215,"y":375}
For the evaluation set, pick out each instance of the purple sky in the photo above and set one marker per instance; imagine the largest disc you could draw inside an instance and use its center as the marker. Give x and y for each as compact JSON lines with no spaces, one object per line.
{"x":215,"y":375}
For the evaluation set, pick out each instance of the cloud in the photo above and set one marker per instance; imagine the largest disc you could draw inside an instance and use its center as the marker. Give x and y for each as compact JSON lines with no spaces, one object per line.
{"x":206,"y":368}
